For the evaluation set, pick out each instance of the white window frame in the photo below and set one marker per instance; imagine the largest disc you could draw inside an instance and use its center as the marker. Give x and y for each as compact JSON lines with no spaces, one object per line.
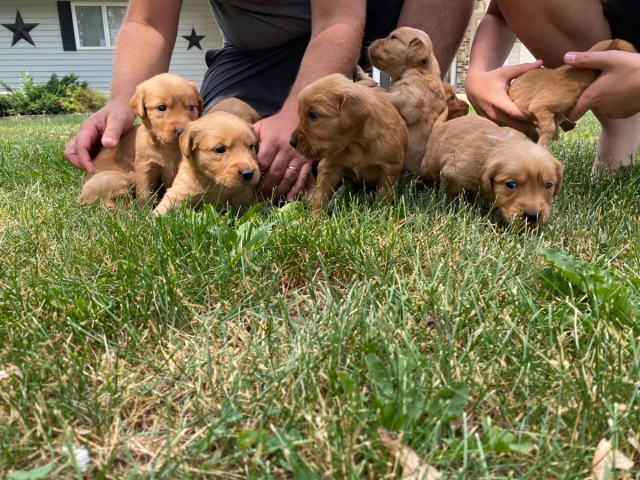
{"x":105,"y":22}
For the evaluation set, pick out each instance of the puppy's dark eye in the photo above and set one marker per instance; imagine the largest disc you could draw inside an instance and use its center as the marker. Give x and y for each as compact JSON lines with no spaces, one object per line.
{"x":511,"y":185}
{"x":162,"y":108}
{"x":548,"y":186}
{"x":453,"y":97}
{"x":313,"y":115}
{"x":394,"y":37}
{"x":221,"y":149}
{"x":191,"y":108}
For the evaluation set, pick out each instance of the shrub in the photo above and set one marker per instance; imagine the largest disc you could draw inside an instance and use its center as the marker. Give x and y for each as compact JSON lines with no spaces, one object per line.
{"x":57,"y":96}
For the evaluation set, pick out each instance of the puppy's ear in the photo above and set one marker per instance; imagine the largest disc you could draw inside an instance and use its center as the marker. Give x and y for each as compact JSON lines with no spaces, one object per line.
{"x":418,"y":53}
{"x":486,"y":176}
{"x":353,"y":111}
{"x":186,"y":142}
{"x":257,"y":144}
{"x":559,"y":176}
{"x":137,"y":103}
{"x":197,"y":93}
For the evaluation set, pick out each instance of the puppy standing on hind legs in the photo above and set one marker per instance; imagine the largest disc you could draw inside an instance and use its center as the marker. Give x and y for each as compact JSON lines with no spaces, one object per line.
{"x":165,"y":105}
{"x":416,"y":89}
{"x":354,"y":132}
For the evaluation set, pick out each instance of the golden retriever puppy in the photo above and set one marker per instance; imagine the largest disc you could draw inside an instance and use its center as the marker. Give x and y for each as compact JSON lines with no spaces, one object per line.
{"x":546,"y":95}
{"x":473,"y":154}
{"x":219,"y":164}
{"x":354,"y":131}
{"x":457,"y":107}
{"x":113,"y":173}
{"x":416,"y":89}
{"x":165,"y":105}
{"x":238,"y":108}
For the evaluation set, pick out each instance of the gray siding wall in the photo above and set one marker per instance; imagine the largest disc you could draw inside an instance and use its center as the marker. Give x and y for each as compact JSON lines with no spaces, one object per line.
{"x":48,"y":56}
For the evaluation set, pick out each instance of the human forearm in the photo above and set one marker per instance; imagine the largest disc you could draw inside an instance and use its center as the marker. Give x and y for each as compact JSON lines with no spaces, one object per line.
{"x":492,"y":43}
{"x":334,"y":48}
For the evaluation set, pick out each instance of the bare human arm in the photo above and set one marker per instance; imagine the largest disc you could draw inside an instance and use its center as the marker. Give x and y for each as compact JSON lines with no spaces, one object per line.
{"x":143,"y":49}
{"x":336,"y":36}
{"x":487,"y":81}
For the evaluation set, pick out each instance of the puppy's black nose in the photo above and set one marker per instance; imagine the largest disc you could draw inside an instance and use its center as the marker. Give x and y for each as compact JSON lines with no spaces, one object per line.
{"x":246,"y":175}
{"x":530,"y":217}
{"x":293,"y":142}
{"x":179,"y":131}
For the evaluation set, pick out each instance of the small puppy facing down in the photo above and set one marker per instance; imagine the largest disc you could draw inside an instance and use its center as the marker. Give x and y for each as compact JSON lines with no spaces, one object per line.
{"x":355,"y":132}
{"x":457,"y":107}
{"x":473,"y":154}
{"x":546,"y":95}
{"x":165,"y":105}
{"x":416,"y":89}
{"x":113,"y":173}
{"x":219,"y":164}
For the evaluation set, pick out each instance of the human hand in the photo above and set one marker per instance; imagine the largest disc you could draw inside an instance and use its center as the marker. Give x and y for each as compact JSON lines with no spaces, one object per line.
{"x":488,"y":93}
{"x":616,"y":93}
{"x":107,"y":125}
{"x":285,"y":171}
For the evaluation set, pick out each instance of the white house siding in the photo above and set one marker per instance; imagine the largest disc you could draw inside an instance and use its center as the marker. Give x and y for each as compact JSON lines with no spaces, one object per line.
{"x":95,"y":66}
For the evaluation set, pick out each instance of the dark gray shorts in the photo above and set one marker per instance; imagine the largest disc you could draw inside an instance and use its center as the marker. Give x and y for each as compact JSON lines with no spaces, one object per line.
{"x":263,"y":78}
{"x":624,"y":18}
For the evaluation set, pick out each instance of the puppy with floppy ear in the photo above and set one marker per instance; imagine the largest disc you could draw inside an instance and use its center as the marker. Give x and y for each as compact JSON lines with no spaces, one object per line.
{"x":473,"y":154}
{"x":165,"y":105}
{"x":416,"y":89}
{"x":354,"y":131}
{"x":546,"y":95}
{"x":219,"y":164}
{"x":457,"y":107}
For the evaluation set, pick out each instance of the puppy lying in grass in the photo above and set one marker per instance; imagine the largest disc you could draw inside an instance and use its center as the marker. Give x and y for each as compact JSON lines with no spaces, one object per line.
{"x":472,"y":154}
{"x":546,"y":95}
{"x":219,"y":164}
{"x":355,"y":132}
{"x":165,"y":105}
{"x":406,"y":55}
{"x":457,"y":107}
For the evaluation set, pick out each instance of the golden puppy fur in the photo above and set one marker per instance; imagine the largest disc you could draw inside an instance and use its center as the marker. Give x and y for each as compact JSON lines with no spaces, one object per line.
{"x":356,"y":132}
{"x":165,"y":105}
{"x":219,"y":164}
{"x":473,"y":154}
{"x":416,"y":89}
{"x":238,"y":108}
{"x":546,"y":95}
{"x":457,"y":107}
{"x":113,"y":173}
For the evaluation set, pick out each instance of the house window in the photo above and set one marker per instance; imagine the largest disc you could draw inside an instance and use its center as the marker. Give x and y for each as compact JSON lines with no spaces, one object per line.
{"x":96,"y":25}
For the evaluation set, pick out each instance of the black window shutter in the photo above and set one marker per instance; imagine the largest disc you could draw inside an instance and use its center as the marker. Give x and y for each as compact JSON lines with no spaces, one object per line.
{"x":66,"y":27}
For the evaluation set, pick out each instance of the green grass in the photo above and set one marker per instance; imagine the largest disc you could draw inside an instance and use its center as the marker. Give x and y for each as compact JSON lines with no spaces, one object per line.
{"x":276,"y":345}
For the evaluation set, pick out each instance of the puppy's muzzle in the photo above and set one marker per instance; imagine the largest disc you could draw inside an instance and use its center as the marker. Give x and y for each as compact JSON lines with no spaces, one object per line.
{"x":247,"y":175}
{"x":179,"y":131}
{"x":293,"y":141}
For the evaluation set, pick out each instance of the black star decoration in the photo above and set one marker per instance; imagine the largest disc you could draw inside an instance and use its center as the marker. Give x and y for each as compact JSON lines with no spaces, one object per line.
{"x":21,"y":30}
{"x":194,"y":39}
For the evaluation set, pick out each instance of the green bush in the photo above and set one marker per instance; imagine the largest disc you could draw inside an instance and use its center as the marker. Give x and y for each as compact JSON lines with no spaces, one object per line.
{"x":57,"y":96}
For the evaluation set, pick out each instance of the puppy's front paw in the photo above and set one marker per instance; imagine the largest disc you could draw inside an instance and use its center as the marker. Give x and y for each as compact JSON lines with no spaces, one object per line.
{"x":359,"y":74}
